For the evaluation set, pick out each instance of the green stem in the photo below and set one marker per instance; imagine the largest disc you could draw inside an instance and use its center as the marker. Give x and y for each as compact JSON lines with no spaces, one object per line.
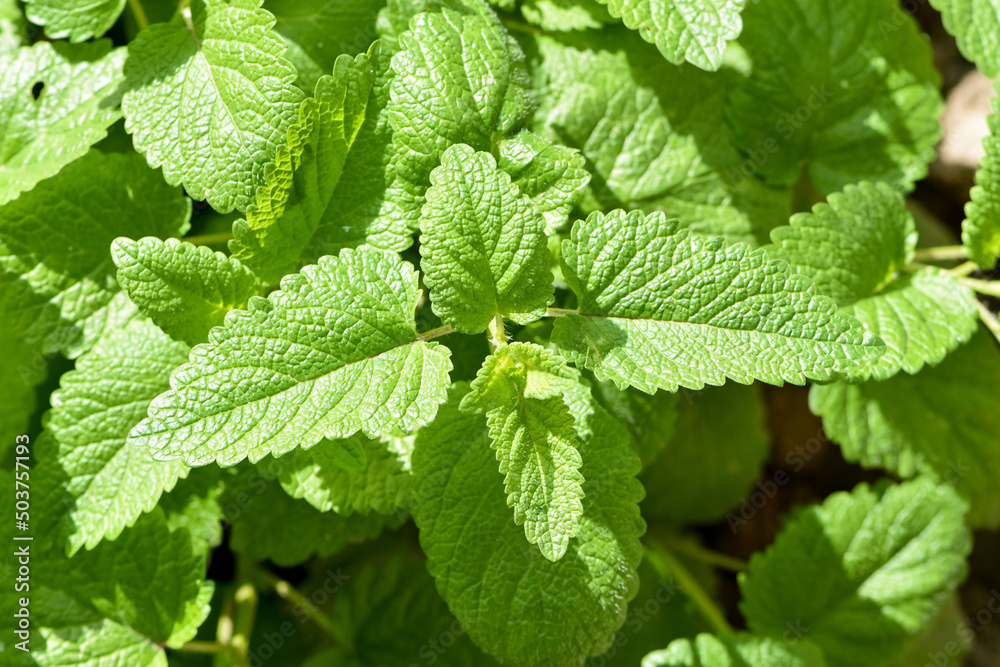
{"x":434,"y":333}
{"x":989,"y":319}
{"x":139,"y":13}
{"x":962,"y":270}
{"x":244,"y":615}
{"x":210,"y":239}
{"x":203,"y":647}
{"x":694,"y":550}
{"x":559,"y":312}
{"x":982,"y":286}
{"x":497,"y":333}
{"x":666,"y":565}
{"x":940,"y":253}
{"x":291,"y":594}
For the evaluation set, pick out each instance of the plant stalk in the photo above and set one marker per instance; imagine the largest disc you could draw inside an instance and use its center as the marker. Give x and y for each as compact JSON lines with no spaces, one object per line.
{"x":666,"y":565}
{"x":989,"y":319}
{"x":940,"y":253}
{"x":209,"y":239}
{"x":982,"y":286}
{"x":707,"y":556}
{"x":291,"y":594}
{"x":139,"y":13}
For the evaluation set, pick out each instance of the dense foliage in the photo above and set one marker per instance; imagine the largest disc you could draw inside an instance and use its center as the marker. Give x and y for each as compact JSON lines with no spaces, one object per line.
{"x":455,"y":315}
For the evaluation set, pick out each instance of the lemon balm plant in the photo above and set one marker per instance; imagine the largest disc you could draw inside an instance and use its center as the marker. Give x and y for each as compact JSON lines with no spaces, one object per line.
{"x":454,"y":315}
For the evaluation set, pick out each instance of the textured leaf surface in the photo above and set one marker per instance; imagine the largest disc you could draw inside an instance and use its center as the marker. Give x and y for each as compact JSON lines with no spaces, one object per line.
{"x":981,"y":228}
{"x":106,"y":485}
{"x":736,"y":650}
{"x":57,"y":274}
{"x":380,"y":484}
{"x":104,"y":591}
{"x":654,"y":135}
{"x":566,"y":14}
{"x":851,"y":92}
{"x":76,"y":19}
{"x":317,"y":31}
{"x":483,"y":245}
{"x":186,"y":290}
{"x":660,"y":308}
{"x":520,"y":388}
{"x":693,"y":31}
{"x":716,"y":453}
{"x":334,"y":352}
{"x":976,"y":27}
{"x":459,"y":79}
{"x":851,"y":246}
{"x":651,"y":419}
{"x":326,"y":189}
{"x":855,"y":249}
{"x":273,"y":526}
{"x":209,"y":100}
{"x":871,"y":568}
{"x":391,"y":612}
{"x":515,"y":604}
{"x":941,"y":423}
{"x":72,"y":112}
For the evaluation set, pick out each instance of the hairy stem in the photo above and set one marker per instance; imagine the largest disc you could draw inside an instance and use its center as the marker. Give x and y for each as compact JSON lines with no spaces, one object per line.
{"x":667,"y":565}
{"x":434,"y":333}
{"x":559,"y":312}
{"x":940,"y":253}
{"x":209,"y":239}
{"x":497,"y":333}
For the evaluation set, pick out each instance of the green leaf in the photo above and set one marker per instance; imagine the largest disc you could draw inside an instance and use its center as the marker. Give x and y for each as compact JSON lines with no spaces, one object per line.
{"x":520,"y":388}
{"x":316,"y":32}
{"x":566,"y":14}
{"x":326,"y":190}
{"x":186,"y":290}
{"x":483,"y":245}
{"x":75,"y":105}
{"x":694,"y":31}
{"x":194,"y":504}
{"x":24,"y":368}
{"x":654,"y":135}
{"x":718,"y":450}
{"x":322,"y":476}
{"x":865,"y":571}
{"x":164,"y":600}
{"x":552,"y":176}
{"x":459,"y":79}
{"x":106,"y":485}
{"x":735,"y":650}
{"x":12,"y":35}
{"x":921,"y":317}
{"x":660,"y":308}
{"x":855,"y":249}
{"x":851,"y":93}
{"x":981,"y":228}
{"x":851,"y":246}
{"x":976,"y":26}
{"x":650,"y":419}
{"x":518,"y":606}
{"x":76,"y":19}
{"x":210,"y":99}
{"x":334,"y":352}
{"x":273,"y":526}
{"x":55,"y":264}
{"x":392,"y":613}
{"x":941,"y":423}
